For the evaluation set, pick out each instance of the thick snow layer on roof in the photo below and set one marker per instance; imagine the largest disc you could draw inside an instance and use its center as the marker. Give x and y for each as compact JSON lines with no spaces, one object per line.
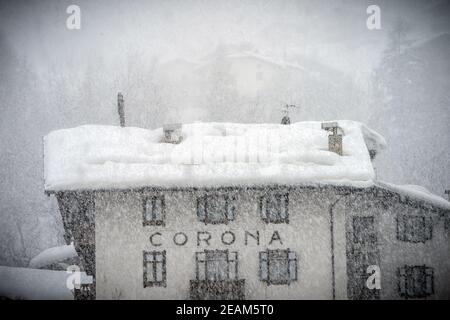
{"x":210,"y":154}
{"x":416,"y":192}
{"x":53,"y":255}
{"x":32,"y":284}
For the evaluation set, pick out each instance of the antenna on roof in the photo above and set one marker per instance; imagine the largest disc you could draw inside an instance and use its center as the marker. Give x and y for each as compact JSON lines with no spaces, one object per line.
{"x":121,"y":109}
{"x":286,"y":119}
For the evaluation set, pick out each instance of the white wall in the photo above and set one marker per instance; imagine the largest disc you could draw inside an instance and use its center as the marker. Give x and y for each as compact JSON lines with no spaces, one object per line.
{"x":433,"y":253}
{"x":121,"y":239}
{"x":394,"y":253}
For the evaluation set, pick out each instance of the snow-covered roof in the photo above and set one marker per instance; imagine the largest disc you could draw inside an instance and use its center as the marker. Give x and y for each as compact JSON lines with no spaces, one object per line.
{"x":34,"y":284}
{"x":415,"y":192}
{"x":211,"y":154}
{"x":94,"y":157}
{"x":53,"y":255}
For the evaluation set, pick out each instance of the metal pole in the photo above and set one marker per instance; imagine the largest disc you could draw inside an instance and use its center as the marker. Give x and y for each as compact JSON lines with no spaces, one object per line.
{"x":121,"y":109}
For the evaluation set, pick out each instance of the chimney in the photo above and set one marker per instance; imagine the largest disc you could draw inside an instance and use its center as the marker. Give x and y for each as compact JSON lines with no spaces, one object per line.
{"x":334,"y":139}
{"x":447,"y":192}
{"x":172,"y":133}
{"x":121,"y":109}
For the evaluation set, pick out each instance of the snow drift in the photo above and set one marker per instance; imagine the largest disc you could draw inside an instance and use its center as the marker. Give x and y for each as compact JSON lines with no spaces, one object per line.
{"x":34,"y":284}
{"x":53,"y":255}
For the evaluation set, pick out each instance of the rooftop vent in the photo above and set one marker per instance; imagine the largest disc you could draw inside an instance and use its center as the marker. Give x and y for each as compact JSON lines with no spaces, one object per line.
{"x":172,"y":133}
{"x":334,"y":139}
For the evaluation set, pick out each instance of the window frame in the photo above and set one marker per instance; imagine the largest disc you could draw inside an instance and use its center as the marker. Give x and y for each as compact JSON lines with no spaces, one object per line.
{"x":230,"y":208}
{"x":263,"y":207}
{"x":230,"y":260}
{"x":154,"y":221}
{"x":405,"y":276}
{"x":402,"y":228}
{"x":154,"y":262}
{"x":270,"y":254}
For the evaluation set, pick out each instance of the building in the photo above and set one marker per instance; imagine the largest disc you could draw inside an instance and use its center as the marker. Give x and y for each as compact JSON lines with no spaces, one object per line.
{"x":245,"y":211}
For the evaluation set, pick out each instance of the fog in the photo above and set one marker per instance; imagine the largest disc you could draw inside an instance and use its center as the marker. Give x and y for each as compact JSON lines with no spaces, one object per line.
{"x":185,"y":61}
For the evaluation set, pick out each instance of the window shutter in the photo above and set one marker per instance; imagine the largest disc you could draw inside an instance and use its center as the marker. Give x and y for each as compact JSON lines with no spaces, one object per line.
{"x":428,"y":228}
{"x":159,"y":272}
{"x":148,"y":210}
{"x":292,"y":266}
{"x":401,"y":227}
{"x":201,"y":265}
{"x":402,"y":281}
{"x":429,"y":285}
{"x":273,"y":207}
{"x":419,"y":229}
{"x":232,"y":265}
{"x":201,"y":208}
{"x":150,"y":275}
{"x":230,"y":204}
{"x":263,"y":266}
{"x":157,"y":208}
{"x":284,"y":203}
{"x":262,"y":207}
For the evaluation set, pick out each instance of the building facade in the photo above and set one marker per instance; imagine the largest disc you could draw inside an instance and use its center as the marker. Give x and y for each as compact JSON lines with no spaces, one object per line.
{"x":153,"y":217}
{"x":278,"y":242}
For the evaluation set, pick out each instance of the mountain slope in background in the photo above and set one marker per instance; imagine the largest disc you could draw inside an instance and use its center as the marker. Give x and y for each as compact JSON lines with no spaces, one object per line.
{"x":414,"y":115}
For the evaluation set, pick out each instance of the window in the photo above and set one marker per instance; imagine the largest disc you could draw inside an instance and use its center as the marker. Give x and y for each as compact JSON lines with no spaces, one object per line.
{"x":154,"y":208}
{"x":278,"y":266}
{"x":447,"y":225}
{"x":414,"y":228}
{"x":216,"y":265}
{"x":216,"y":208}
{"x":415,"y":281}
{"x":364,"y":230}
{"x":273,"y":208}
{"x":154,"y":269}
